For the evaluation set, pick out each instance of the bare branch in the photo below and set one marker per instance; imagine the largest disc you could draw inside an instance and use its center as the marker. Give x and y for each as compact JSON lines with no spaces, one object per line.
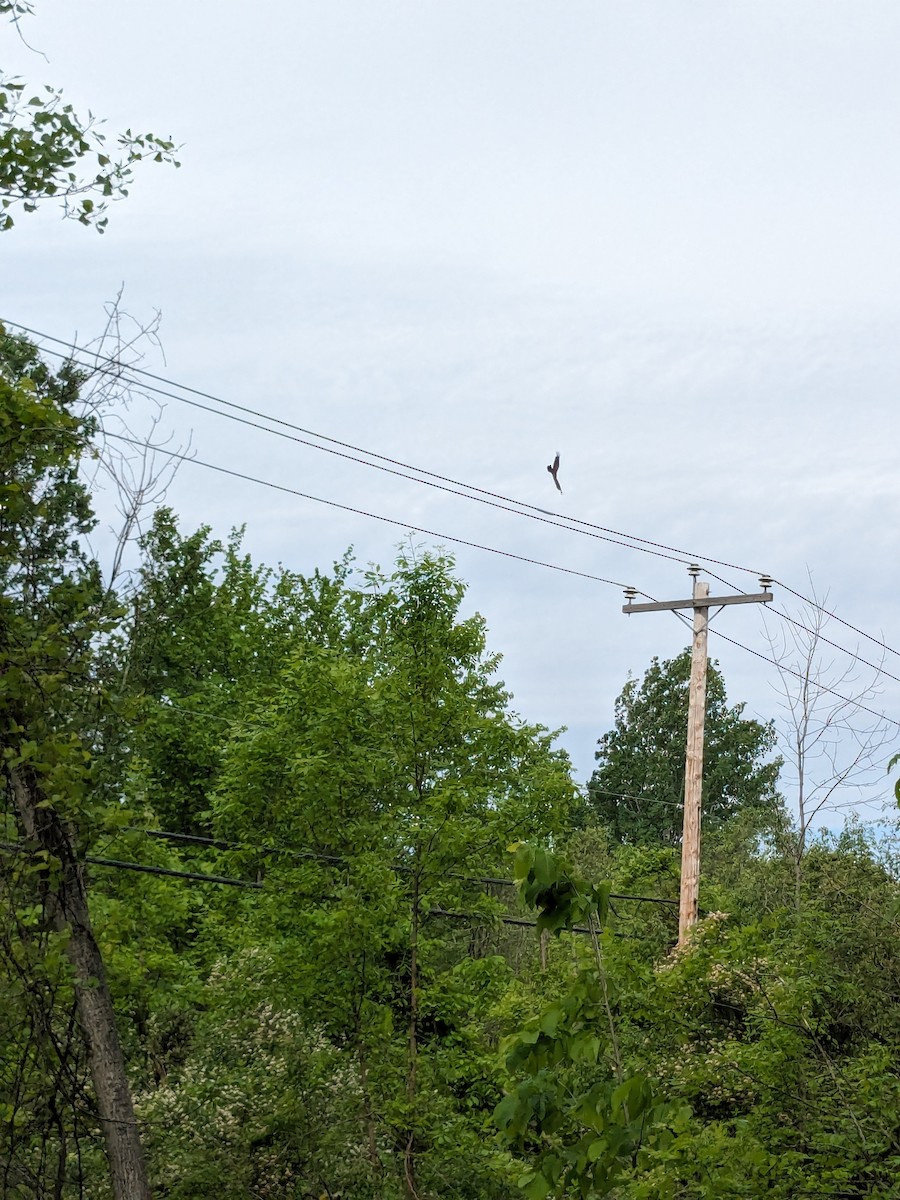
{"x":112,"y":396}
{"x":829,"y":743}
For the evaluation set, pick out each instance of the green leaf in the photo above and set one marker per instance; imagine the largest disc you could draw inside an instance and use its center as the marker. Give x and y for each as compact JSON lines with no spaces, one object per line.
{"x":534,"y":1186}
{"x":598,"y":1149}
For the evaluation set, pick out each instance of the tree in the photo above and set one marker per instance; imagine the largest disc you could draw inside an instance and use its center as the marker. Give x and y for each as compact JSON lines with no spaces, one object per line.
{"x":637,"y":788}
{"x":352,"y":726}
{"x":832,"y":740}
{"x":49,"y":153}
{"x":53,"y":609}
{"x":759,"y":1060}
{"x":393,"y":761}
{"x":574,"y":1112}
{"x":205,"y":628}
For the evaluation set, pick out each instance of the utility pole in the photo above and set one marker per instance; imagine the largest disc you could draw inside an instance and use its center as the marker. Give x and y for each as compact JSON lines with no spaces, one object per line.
{"x":701,"y":602}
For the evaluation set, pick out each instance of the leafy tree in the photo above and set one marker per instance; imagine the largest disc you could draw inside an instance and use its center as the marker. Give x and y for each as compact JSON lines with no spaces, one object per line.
{"x":205,"y":627}
{"x":254,"y":1099}
{"x":577,"y":1113}
{"x":357,"y":732}
{"x":53,"y":609}
{"x":767,"y":1044}
{"x":49,"y":152}
{"x":763,"y":1051}
{"x":638,"y":786}
{"x":191,"y":642}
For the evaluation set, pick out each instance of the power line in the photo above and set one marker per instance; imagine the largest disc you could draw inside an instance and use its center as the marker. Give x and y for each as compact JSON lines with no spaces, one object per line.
{"x":244,"y":724}
{"x":798,"y":675}
{"x":834,"y":617}
{"x":817,"y":634}
{"x":360,"y":512}
{"x":120,"y":370}
{"x":219,"y":844}
{"x":143,"y":868}
{"x":547,"y":519}
{"x":504,"y":504}
{"x":790,"y":671}
{"x":476,"y":546}
{"x":520,"y":921}
{"x":640,"y":799}
{"x":633,"y":541}
{"x":256,"y":885}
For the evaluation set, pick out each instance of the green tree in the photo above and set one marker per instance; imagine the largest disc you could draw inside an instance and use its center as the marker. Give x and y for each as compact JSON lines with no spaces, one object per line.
{"x":577,"y":1112}
{"x":356,"y":731}
{"x":53,"y":609}
{"x":638,"y":785}
{"x":49,"y":153}
{"x":195,"y":633}
{"x":205,"y":627}
{"x":776,"y":1029}
{"x":763,"y":1052}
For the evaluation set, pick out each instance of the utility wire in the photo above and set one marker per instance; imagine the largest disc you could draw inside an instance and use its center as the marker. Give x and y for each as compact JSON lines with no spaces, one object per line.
{"x":547,"y":519}
{"x":639,"y":798}
{"x":521,"y":921}
{"x":218,"y":844}
{"x":878,"y":668}
{"x":361,"y":512}
{"x":633,"y":541}
{"x":834,"y":617}
{"x":505,"y":504}
{"x":232,"y":881}
{"x":476,"y":545}
{"x":790,"y":671}
{"x":798,"y":675}
{"x":480,"y":546}
{"x":115,"y":864}
{"x":119,"y":370}
{"x":819,"y":636}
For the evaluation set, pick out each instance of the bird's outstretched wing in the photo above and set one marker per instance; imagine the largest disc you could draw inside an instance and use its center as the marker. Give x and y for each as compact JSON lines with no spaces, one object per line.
{"x":553,"y":469}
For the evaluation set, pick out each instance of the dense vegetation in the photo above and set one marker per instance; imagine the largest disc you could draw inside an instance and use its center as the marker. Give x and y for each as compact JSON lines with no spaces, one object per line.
{"x":326,"y":986}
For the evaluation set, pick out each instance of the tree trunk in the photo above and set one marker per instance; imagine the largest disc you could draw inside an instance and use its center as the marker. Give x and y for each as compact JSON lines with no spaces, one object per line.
{"x":67,"y":907}
{"x":802,"y":819}
{"x":367,"y":1110}
{"x":409,"y":1157}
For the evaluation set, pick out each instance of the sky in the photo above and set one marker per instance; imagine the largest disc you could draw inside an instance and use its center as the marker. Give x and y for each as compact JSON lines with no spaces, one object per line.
{"x":659,"y":239}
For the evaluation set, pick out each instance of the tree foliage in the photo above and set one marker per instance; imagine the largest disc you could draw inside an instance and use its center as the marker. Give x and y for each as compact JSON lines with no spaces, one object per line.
{"x":50,"y":153}
{"x":638,"y":785}
{"x":374,"y":762}
{"x":53,"y":609}
{"x":761,"y":1055}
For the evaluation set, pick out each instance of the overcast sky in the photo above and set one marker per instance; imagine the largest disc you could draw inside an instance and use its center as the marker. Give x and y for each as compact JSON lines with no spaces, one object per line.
{"x":661,"y":239}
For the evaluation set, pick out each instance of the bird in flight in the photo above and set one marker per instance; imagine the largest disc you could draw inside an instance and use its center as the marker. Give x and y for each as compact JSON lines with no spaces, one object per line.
{"x":553,"y":471}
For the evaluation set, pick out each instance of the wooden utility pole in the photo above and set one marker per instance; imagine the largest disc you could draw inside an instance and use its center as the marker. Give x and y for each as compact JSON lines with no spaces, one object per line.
{"x":693,"y":767}
{"x":701,"y":602}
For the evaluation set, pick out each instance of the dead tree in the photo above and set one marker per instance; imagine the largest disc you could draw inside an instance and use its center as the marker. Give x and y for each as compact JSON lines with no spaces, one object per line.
{"x":833,"y":743}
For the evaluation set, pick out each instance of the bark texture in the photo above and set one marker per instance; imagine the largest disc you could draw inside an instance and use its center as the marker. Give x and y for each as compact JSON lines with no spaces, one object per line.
{"x":65,"y":897}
